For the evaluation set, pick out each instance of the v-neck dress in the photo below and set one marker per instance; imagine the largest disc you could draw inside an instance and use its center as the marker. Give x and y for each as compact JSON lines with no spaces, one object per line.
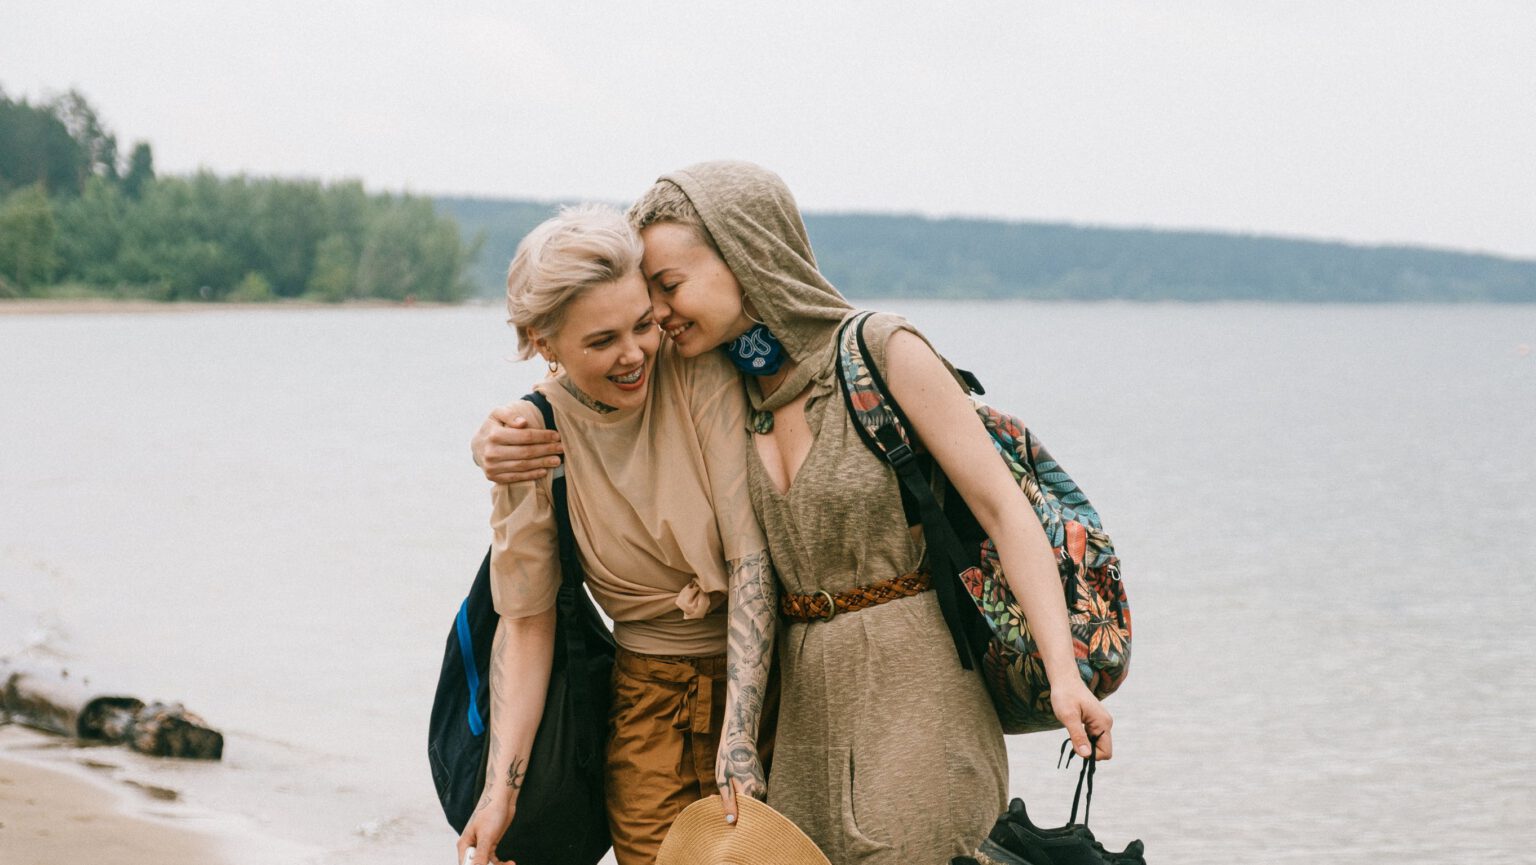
{"x":888,"y":750}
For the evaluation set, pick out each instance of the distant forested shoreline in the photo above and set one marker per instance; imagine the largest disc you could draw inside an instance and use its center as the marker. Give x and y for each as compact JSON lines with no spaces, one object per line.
{"x":873,"y":255}
{"x":78,"y":219}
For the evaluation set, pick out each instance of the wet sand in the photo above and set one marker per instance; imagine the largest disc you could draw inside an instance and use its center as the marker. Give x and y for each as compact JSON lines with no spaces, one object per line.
{"x":49,"y":815}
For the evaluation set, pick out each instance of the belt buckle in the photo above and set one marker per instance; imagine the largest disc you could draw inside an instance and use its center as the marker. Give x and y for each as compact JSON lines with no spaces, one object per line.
{"x":831,"y":605}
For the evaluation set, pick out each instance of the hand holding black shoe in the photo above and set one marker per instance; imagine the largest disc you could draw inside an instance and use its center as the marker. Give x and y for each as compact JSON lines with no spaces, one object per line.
{"x":1015,"y":832}
{"x":1014,"y":840}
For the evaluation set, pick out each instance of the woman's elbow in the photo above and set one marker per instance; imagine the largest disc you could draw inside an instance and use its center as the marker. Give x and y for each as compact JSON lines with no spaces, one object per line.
{"x":531,"y":626}
{"x":1007,"y":513}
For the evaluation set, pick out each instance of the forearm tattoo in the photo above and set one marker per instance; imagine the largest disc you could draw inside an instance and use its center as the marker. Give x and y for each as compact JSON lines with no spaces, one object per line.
{"x":748,"y":655}
{"x":517,"y":770}
{"x":498,"y":687}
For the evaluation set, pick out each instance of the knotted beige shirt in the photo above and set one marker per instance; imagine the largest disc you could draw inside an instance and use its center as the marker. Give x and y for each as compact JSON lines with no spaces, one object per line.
{"x":658,"y":502}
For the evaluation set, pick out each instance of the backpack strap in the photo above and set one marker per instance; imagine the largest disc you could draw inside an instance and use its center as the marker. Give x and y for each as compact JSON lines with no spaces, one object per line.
{"x":883,"y":426}
{"x":566,"y":609}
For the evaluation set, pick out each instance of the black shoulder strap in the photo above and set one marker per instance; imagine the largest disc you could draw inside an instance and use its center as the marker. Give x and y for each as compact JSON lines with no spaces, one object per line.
{"x":890,"y":441}
{"x":566,"y":608}
{"x":570,"y":568}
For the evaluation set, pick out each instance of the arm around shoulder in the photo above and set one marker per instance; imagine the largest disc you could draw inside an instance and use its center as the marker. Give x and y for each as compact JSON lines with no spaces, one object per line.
{"x":512,"y":445}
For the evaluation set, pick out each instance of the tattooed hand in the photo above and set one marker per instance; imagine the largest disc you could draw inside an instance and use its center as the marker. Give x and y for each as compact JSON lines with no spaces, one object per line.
{"x":486,"y":826}
{"x":493,"y":815}
{"x":739,"y":772}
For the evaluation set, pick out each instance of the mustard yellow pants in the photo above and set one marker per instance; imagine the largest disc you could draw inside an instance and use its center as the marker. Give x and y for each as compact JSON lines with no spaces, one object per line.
{"x":666,"y":720}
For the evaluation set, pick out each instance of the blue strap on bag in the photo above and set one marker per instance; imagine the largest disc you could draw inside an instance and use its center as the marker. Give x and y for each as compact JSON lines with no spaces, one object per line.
{"x":561,"y":818}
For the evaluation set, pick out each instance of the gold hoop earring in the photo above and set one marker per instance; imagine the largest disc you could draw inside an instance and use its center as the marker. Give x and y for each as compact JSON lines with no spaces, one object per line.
{"x":749,"y":315}
{"x":554,"y":366}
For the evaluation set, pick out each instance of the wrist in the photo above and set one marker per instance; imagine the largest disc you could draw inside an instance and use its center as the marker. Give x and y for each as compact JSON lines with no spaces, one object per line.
{"x":1063,"y":673}
{"x":500,"y":795}
{"x":738,"y":738}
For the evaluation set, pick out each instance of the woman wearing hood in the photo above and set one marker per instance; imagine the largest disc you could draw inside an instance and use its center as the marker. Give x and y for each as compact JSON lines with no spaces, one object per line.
{"x":888,"y":750}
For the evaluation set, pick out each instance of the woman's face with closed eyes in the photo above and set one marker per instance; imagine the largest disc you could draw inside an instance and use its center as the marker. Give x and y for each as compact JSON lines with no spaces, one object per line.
{"x":695,"y":297}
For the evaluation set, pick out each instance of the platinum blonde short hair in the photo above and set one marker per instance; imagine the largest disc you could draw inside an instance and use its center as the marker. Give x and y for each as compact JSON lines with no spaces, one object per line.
{"x":578,"y":248}
{"x":665,"y":201}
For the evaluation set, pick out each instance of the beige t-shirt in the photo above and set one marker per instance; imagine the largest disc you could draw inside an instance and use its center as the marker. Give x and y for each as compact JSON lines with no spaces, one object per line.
{"x":658,"y":502}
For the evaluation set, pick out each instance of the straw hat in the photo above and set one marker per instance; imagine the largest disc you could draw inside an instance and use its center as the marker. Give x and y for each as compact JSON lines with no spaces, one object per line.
{"x":761,"y":836}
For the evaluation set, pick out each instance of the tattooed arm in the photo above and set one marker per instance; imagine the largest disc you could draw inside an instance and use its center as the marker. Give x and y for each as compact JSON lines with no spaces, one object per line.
{"x":748,"y":654}
{"x":521,"y":655}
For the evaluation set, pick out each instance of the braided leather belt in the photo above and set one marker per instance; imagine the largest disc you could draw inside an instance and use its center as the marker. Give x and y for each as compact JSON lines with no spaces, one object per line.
{"x":822,"y":606}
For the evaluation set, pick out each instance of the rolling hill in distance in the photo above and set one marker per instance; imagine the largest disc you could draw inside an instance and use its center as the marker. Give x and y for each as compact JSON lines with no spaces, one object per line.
{"x":879,"y":255}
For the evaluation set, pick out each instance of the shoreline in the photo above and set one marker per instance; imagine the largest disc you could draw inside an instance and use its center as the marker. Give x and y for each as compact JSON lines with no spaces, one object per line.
{"x":43,"y":306}
{"x":52,"y":810}
{"x":108,"y":305}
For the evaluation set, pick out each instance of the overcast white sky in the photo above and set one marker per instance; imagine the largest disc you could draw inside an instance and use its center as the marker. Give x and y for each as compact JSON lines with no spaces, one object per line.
{"x":1367,"y":120}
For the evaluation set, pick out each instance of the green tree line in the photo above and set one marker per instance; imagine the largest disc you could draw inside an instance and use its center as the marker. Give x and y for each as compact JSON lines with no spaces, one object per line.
{"x":75,"y":218}
{"x":869,"y":255}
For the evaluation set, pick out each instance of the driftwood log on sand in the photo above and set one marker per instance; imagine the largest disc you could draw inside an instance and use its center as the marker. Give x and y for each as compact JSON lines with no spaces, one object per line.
{"x":56,"y":702}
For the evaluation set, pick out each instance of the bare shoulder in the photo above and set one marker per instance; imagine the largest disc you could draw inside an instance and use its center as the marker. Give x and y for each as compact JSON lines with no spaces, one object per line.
{"x":906,"y":345}
{"x":883,"y":332}
{"x":912,"y":366}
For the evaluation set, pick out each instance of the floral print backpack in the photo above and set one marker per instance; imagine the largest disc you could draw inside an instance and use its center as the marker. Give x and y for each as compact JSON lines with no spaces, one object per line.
{"x":991,"y":627}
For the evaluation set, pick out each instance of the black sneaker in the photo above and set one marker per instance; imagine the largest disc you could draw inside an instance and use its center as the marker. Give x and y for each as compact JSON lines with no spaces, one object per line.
{"x":1014,"y":840}
{"x":1010,"y":843}
{"x":1022,"y":826}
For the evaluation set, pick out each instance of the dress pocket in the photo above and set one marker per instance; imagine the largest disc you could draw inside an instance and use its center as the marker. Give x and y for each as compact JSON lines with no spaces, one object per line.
{"x":868,"y":813}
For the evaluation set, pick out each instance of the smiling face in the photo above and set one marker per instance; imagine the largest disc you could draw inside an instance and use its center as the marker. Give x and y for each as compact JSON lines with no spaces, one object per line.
{"x":607,"y":342}
{"x":696,"y":298}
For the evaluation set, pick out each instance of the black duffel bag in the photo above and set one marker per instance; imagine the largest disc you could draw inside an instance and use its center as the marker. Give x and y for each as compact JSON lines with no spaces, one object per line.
{"x":560,"y":817}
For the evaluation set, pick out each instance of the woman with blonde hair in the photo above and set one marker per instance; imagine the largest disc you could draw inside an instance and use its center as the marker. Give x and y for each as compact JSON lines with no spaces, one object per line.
{"x":664,"y":530}
{"x":888,"y":750}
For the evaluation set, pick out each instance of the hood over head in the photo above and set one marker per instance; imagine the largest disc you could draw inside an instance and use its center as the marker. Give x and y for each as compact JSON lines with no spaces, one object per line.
{"x":754,"y":221}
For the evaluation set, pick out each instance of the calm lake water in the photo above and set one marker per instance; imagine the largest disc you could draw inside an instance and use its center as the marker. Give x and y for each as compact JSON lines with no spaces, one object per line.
{"x":1326,"y":516}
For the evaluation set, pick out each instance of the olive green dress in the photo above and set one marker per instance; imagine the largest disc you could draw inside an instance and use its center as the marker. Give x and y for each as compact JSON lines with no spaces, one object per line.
{"x":888,"y":751}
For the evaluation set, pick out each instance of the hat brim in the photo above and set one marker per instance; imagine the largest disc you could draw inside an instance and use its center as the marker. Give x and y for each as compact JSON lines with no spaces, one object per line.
{"x":761,"y":836}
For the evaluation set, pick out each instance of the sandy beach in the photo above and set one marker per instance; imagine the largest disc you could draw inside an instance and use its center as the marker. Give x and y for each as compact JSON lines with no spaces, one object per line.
{"x":53,"y":810}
